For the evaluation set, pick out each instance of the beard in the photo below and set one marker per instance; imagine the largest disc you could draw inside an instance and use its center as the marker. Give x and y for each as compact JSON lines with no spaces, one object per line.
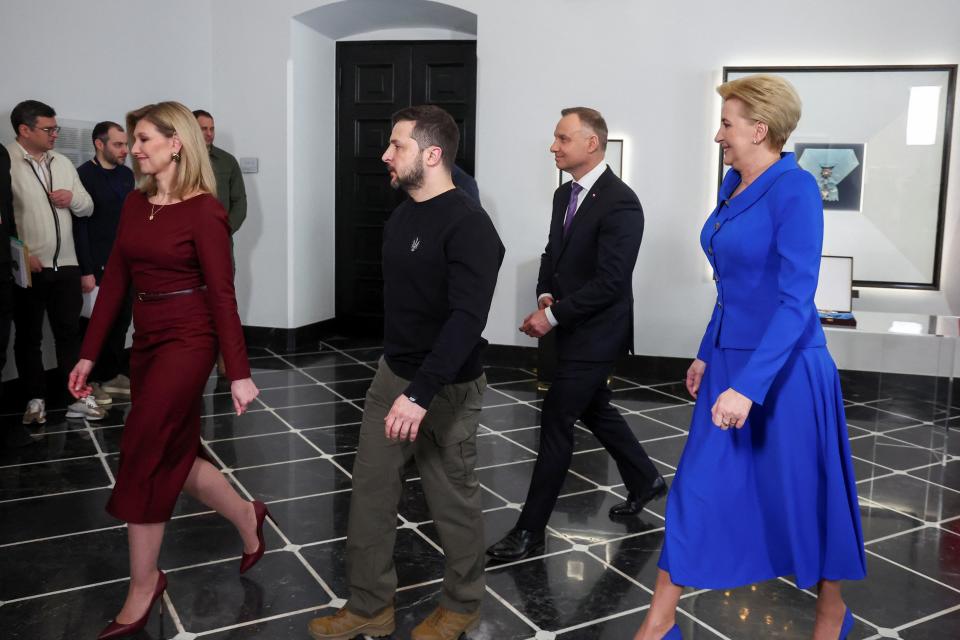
{"x":112,"y":158}
{"x":411,"y":180}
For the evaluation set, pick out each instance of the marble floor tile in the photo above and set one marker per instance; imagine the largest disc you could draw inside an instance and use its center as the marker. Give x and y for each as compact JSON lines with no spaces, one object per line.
{"x":592,"y":580}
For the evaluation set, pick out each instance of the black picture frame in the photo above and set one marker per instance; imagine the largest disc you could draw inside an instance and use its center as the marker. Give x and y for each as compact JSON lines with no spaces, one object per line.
{"x":934,"y":283}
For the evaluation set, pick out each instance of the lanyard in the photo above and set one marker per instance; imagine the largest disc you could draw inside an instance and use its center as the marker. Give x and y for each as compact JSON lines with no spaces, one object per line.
{"x":49,"y":173}
{"x":47,"y":189}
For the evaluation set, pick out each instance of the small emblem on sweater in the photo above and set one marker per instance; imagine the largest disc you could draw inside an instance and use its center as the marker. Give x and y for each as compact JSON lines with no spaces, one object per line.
{"x":415,"y":244}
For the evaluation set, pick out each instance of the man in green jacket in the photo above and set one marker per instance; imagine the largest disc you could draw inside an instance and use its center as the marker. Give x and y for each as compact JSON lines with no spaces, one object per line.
{"x":226,"y":169}
{"x":230,"y":190}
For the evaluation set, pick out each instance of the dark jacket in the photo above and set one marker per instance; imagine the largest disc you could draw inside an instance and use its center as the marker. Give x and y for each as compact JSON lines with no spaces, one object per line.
{"x":94,"y":236}
{"x":590,"y":272}
{"x":465,"y":181}
{"x":230,"y":190}
{"x":8,"y":225}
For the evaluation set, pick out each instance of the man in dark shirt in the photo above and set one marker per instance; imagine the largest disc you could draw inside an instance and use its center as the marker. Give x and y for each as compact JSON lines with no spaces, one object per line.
{"x":108,"y":182}
{"x":465,"y":181}
{"x":8,"y":229}
{"x":441,"y":255}
{"x":230,"y":190}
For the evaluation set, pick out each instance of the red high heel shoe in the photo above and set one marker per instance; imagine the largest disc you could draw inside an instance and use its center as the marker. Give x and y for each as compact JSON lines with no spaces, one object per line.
{"x":250,"y":559}
{"x":117,"y":630}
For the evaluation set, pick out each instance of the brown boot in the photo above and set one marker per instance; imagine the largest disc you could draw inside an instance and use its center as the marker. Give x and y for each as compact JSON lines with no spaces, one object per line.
{"x":444,"y":624}
{"x":345,"y":625}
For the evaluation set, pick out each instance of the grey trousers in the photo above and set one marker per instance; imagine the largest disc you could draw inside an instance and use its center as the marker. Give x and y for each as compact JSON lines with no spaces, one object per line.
{"x":446,"y":453}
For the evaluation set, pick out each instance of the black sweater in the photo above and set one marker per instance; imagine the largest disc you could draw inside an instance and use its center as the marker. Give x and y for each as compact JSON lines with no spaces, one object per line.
{"x":93,"y":237}
{"x":8,"y":225}
{"x":440,"y":264}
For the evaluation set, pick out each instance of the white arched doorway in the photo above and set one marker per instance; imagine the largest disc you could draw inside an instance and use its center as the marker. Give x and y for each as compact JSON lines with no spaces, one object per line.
{"x":311,"y":134}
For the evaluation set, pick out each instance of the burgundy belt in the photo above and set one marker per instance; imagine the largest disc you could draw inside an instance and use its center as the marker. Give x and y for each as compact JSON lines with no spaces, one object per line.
{"x":148,"y":296}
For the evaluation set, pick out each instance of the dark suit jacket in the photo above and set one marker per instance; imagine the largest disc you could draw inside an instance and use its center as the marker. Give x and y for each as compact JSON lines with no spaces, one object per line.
{"x":590,"y":272}
{"x":465,"y":181}
{"x":9,"y":226}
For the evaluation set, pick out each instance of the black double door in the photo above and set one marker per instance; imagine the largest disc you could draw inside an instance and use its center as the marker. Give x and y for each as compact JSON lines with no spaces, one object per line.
{"x":374,"y":80}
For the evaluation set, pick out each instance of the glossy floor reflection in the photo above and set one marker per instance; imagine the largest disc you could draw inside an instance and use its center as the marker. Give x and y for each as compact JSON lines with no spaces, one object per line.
{"x":63,"y":559}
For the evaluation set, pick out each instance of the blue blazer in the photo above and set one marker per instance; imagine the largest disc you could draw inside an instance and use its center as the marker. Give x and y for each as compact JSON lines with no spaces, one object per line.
{"x":764,"y":246}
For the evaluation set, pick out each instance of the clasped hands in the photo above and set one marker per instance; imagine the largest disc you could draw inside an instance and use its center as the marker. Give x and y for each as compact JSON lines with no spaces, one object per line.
{"x":536,"y":324}
{"x":731,"y":408}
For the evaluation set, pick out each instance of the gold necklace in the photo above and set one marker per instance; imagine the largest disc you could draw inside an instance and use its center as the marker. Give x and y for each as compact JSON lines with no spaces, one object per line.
{"x":154,"y":209}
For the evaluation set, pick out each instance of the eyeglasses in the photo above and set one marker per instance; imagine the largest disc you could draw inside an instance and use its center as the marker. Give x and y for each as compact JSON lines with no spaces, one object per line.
{"x":48,"y":130}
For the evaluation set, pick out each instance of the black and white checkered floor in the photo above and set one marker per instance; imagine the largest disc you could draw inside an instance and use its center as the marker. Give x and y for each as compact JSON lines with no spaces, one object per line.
{"x":63,"y":563}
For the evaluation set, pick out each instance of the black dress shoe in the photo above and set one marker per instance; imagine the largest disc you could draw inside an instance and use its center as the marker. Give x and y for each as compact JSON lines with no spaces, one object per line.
{"x":634,"y":503}
{"x":516,"y":545}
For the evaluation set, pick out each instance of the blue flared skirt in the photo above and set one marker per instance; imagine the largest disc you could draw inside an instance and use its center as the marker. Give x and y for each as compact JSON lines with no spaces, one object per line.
{"x":777,"y":497}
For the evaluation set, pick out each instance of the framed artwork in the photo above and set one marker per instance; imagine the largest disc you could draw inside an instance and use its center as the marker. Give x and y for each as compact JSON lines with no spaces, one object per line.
{"x":877,"y":140}
{"x":838,"y":169}
{"x":614,"y":158}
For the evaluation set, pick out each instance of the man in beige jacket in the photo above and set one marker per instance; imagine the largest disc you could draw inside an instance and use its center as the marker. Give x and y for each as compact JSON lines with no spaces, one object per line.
{"x":46,"y":194}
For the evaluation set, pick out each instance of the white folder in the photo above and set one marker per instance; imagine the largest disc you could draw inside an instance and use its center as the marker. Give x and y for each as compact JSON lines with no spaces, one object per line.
{"x":20,"y":263}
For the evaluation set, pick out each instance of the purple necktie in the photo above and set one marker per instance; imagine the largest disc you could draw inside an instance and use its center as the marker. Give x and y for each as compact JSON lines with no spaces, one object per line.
{"x":575,"y":190}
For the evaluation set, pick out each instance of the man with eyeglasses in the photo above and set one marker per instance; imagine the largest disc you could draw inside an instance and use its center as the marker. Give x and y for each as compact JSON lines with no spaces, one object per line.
{"x":47,"y":193}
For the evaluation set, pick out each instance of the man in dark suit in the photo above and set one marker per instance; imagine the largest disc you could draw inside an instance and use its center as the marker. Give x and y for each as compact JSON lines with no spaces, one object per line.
{"x":465,"y":181}
{"x":584,"y":293}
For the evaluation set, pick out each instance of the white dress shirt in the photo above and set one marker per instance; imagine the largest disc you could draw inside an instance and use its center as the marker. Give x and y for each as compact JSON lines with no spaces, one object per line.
{"x":586,"y":181}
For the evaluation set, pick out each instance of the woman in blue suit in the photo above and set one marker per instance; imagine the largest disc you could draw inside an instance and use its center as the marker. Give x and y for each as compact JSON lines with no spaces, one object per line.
{"x":765,"y":485}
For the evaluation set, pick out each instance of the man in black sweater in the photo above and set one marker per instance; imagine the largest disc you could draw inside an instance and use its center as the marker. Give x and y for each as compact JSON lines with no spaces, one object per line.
{"x":441,"y":255}
{"x":108,"y":182}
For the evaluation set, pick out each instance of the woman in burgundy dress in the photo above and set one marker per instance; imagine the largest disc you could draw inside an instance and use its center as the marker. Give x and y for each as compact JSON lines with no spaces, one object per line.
{"x":173,"y":246}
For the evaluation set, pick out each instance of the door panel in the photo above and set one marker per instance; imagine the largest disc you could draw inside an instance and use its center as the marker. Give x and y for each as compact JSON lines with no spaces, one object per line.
{"x":375,"y":80}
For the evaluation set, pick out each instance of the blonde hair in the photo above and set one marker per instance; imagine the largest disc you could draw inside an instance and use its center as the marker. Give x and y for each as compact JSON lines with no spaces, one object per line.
{"x":768,"y":99}
{"x":194,"y":171}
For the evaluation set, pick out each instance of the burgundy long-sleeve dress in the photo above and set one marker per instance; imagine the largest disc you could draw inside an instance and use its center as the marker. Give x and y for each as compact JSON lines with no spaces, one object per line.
{"x":186,"y":246}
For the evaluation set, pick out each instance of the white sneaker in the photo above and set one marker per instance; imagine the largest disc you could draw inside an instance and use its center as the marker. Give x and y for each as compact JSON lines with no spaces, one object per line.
{"x":101,"y":396}
{"x":86,"y":408}
{"x":36,"y":412}
{"x":117,"y":386}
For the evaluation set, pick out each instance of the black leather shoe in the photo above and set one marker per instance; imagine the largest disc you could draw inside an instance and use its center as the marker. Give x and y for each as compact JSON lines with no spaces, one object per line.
{"x":516,"y":545}
{"x":635,"y":503}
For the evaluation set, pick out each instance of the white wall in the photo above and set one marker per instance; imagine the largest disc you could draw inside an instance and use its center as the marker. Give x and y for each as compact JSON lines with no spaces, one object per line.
{"x":312,"y":178}
{"x":98,"y":60}
{"x":649,"y":67}
{"x":251,"y":45}
{"x":410,"y":34}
